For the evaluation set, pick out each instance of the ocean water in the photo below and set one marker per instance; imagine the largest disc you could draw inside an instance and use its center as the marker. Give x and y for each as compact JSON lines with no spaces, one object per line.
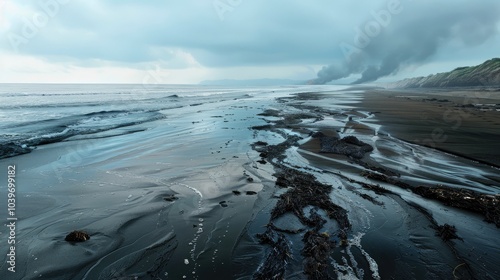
{"x":35,"y":114}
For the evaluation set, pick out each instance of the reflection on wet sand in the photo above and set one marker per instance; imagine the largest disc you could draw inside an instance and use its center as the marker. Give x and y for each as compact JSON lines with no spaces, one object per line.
{"x":327,"y":183}
{"x":398,"y":182}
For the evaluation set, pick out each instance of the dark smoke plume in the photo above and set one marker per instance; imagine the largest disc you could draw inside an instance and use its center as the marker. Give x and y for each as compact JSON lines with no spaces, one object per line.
{"x":413,"y":35}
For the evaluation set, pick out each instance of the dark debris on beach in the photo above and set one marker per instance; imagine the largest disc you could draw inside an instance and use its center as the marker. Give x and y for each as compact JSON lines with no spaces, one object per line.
{"x":485,"y":204}
{"x":170,"y":198}
{"x":274,"y":266}
{"x":316,"y":251}
{"x":303,"y":191}
{"x":349,"y":146}
{"x":12,"y":149}
{"x":447,"y":232}
{"x":77,"y":236}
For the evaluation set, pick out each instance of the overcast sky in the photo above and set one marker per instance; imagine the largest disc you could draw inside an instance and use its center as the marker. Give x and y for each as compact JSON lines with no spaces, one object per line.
{"x":187,"y":41}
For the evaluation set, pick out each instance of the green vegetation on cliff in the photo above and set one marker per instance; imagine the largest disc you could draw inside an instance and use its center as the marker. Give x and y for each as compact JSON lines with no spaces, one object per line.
{"x":485,"y":74}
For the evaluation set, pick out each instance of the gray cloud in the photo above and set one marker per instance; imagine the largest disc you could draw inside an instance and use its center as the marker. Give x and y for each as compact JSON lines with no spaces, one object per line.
{"x":413,"y":36}
{"x":254,"y":33}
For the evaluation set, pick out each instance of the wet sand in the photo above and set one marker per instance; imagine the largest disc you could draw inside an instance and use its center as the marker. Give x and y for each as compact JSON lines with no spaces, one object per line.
{"x":396,"y":212}
{"x":465,"y":122}
{"x":229,"y":190}
{"x":156,"y":203}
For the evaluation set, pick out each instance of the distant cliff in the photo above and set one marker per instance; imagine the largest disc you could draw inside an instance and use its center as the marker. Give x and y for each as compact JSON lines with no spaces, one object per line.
{"x":486,"y":74}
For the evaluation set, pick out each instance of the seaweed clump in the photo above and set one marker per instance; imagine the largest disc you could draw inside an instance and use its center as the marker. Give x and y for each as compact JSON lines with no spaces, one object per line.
{"x":317,"y":250}
{"x":170,"y":198}
{"x":77,"y":236}
{"x":304,"y":191}
{"x":12,"y":149}
{"x":447,"y":232}
{"x":385,"y":178}
{"x":349,"y":146}
{"x":274,"y":266}
{"x":485,"y":204}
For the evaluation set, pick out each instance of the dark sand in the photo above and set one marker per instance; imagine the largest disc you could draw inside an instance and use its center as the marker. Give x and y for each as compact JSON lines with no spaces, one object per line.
{"x":190,"y":197}
{"x":465,"y":122}
{"x":404,"y":203}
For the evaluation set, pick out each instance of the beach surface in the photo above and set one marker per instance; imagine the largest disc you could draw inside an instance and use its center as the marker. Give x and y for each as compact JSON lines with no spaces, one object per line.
{"x":463,"y":121}
{"x":297,"y":183}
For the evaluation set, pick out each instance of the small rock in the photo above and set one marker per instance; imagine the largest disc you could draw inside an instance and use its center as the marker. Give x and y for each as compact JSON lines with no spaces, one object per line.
{"x":77,"y":236}
{"x":223,"y":203}
{"x":447,"y":232}
{"x":251,"y":193}
{"x":170,"y":198}
{"x":236,"y":192}
{"x":250,"y":179}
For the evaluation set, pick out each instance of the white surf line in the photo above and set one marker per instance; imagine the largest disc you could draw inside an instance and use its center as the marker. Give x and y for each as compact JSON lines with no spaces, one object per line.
{"x":345,"y":272}
{"x":353,"y":272}
{"x":191,"y":188}
{"x":356,"y":241}
{"x":194,"y":241}
{"x":359,"y":271}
